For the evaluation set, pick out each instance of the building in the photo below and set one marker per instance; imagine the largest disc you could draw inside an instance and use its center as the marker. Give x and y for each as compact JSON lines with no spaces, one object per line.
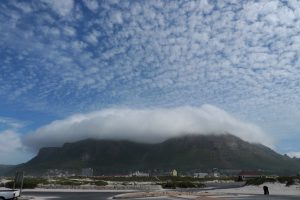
{"x":139,"y":174}
{"x":174,"y":172}
{"x":214,"y":173}
{"x":87,"y":172}
{"x":59,"y":173}
{"x":200,"y":175}
{"x":246,"y":175}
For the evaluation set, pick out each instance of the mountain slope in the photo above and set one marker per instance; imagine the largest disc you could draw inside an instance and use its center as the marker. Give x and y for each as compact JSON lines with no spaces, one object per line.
{"x":184,"y":153}
{"x":5,"y":168}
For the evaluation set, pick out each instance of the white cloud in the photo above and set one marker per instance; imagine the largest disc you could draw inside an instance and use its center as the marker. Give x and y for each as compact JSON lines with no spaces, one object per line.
{"x":12,"y":150}
{"x":91,"y":4}
{"x":145,"y":125}
{"x":61,"y":7}
{"x":70,"y":31}
{"x":11,"y":123}
{"x":294,"y":154}
{"x":116,"y":17}
{"x":9,"y":141}
{"x":26,"y":8}
{"x":240,"y":55}
{"x":92,"y":37}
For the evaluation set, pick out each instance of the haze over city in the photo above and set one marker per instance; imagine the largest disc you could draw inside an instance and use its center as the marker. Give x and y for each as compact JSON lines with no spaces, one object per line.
{"x":147,"y":71}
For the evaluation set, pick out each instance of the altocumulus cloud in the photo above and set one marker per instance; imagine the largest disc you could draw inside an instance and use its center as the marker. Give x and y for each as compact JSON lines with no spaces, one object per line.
{"x":145,"y":125}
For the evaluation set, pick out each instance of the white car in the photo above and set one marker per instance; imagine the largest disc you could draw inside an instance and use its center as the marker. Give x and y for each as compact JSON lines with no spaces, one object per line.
{"x":9,"y":194}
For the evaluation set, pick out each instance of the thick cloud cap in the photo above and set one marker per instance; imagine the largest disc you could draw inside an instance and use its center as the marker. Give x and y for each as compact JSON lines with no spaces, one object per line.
{"x":145,"y":125}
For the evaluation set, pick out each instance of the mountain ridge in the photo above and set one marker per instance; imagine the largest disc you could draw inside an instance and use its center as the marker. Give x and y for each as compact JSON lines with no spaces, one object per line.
{"x":185,"y":153}
{"x":4,"y":169}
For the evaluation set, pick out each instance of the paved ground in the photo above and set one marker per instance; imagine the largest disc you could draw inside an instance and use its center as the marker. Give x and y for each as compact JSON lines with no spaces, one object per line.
{"x":106,"y":195}
{"x":72,"y":195}
{"x":261,"y":197}
{"x":76,"y":195}
{"x":85,"y":196}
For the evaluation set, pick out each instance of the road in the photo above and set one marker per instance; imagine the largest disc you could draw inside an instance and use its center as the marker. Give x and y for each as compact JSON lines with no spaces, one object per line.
{"x":261,"y":197}
{"x":76,"y":195}
{"x":106,"y":195}
{"x":72,"y":195}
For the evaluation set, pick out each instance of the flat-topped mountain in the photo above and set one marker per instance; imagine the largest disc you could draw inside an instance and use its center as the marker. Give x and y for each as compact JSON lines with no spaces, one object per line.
{"x":190,"y":152}
{"x":5,"y":169}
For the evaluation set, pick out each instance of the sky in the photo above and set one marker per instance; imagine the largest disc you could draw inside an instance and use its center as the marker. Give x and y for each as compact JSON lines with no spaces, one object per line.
{"x":147,"y":71}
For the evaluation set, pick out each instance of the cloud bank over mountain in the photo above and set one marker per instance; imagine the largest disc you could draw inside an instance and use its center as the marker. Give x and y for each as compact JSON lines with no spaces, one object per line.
{"x":12,"y":151}
{"x":145,"y":125}
{"x":61,"y":57}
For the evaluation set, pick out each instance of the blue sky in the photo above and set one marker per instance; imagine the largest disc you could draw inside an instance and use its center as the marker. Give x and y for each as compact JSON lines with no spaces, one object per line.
{"x":60,"y":59}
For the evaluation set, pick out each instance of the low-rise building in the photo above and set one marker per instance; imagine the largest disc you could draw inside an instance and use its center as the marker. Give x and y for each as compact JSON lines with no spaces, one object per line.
{"x":87,"y":172}
{"x":174,"y":172}
{"x":139,"y":174}
{"x":246,"y":175}
{"x":200,"y":175}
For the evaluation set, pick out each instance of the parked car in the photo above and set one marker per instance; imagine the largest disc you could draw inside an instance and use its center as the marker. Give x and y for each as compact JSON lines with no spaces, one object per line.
{"x":9,"y":194}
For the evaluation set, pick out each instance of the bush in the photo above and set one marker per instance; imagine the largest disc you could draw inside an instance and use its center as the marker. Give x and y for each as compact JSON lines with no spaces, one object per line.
{"x":100,"y":183}
{"x":285,"y":179}
{"x":259,"y":181}
{"x":170,"y":185}
{"x":181,"y":184}
{"x":28,"y":183}
{"x":290,"y":182}
{"x":68,"y":182}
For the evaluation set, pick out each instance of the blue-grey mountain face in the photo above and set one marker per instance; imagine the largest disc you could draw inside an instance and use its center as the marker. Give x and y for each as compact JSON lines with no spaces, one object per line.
{"x":184,"y":153}
{"x":5,"y":168}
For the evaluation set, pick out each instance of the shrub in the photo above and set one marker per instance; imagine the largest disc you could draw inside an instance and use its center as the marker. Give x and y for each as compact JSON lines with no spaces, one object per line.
{"x":290,"y":182}
{"x":285,"y":179}
{"x":259,"y":181}
{"x":68,"y":182}
{"x":181,"y":184}
{"x":28,"y":183}
{"x":170,"y":185}
{"x":100,"y":183}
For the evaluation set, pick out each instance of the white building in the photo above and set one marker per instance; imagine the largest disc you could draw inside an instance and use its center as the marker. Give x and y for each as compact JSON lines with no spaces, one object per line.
{"x":139,"y":174}
{"x":200,"y":175}
{"x":87,"y":172}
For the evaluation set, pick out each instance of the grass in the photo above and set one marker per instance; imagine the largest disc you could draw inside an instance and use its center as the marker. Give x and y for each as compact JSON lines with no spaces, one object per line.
{"x":77,"y":182}
{"x":165,"y":181}
{"x":100,"y":183}
{"x":68,"y":182}
{"x":260,"y":181}
{"x":31,"y":183}
{"x":287,"y":180}
{"x":28,"y":183}
{"x":290,"y":182}
{"x":182,"y":184}
{"x":160,"y":178}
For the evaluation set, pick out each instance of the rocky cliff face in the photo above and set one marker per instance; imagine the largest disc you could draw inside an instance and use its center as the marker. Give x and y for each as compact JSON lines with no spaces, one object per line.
{"x":185,"y":153}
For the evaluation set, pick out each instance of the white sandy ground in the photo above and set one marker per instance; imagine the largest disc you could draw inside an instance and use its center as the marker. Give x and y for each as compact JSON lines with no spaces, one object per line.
{"x":73,"y":190}
{"x":38,"y":198}
{"x":274,"y":188}
{"x":32,"y":197}
{"x":246,"y":191}
{"x":172,"y":194}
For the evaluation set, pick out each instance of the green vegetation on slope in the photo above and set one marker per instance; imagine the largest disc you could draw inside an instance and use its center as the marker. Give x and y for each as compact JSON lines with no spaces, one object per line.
{"x":288,"y":180}
{"x":183,"y":153}
{"x":182,"y":184}
{"x":28,"y":183}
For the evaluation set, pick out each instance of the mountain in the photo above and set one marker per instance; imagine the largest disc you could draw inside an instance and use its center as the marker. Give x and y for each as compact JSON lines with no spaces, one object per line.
{"x":190,"y":152}
{"x":4,"y":169}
